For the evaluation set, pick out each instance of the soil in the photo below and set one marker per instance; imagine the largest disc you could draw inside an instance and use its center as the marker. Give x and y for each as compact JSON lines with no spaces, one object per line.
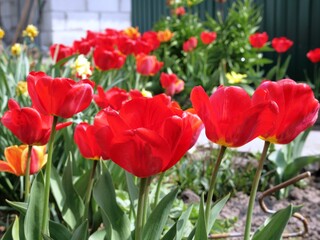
{"x":309,"y":197}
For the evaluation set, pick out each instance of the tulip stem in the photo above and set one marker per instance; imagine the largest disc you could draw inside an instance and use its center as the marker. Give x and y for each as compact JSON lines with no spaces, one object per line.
{"x":254,"y":189}
{"x":142,"y":202}
{"x":27,"y":175}
{"x":45,"y":219}
{"x":278,"y":67}
{"x":212,"y":182}
{"x":89,"y":189}
{"x":156,"y":197}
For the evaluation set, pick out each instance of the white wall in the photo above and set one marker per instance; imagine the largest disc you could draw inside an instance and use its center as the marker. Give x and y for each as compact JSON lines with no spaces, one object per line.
{"x":64,"y":21}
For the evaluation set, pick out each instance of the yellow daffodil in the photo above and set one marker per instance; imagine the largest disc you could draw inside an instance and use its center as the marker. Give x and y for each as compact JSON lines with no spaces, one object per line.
{"x":22,"y":88}
{"x":31,"y":31}
{"x":234,"y":78}
{"x":2,"y":33}
{"x":81,"y":67}
{"x":16,"y":49}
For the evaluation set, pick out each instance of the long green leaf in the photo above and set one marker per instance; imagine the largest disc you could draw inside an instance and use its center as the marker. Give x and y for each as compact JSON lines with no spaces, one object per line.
{"x":105,"y":196}
{"x":201,"y":232}
{"x":158,"y":218}
{"x":19,"y":206}
{"x":81,"y":233}
{"x":73,"y":206}
{"x":57,"y":188}
{"x":33,"y":220}
{"x":59,"y":231}
{"x":182,"y":221}
{"x":15,"y":229}
{"x":274,"y":226}
{"x":98,"y":235}
{"x":297,"y":165}
{"x":215,"y":210}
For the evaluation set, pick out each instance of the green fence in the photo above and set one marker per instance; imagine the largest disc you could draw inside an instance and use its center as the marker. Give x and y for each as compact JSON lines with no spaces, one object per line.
{"x":298,"y":20}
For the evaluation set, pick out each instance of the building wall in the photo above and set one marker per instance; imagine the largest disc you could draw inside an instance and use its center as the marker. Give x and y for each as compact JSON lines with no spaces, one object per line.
{"x":63,"y":21}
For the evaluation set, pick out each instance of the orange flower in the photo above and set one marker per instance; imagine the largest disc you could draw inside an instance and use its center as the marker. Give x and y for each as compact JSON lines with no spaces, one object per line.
{"x":132,"y":32}
{"x":16,"y":157}
{"x":165,"y":36}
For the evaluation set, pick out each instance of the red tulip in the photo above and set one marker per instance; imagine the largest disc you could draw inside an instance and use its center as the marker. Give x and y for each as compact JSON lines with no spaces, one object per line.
{"x":151,"y":38}
{"x":126,"y":45}
{"x":114,"y":97}
{"x":180,"y":11}
{"x":190,"y":44}
{"x":16,"y":159}
{"x":298,"y":109}
{"x":149,"y":135}
{"x":61,"y":97}
{"x":82,"y":47}
{"x":28,"y":125}
{"x":229,"y":116}
{"x":85,"y":138}
{"x":314,"y":55}
{"x":142,"y":47}
{"x":60,"y":51}
{"x":208,"y":37}
{"x":258,"y":40}
{"x":281,"y":44}
{"x":148,"y":65}
{"x":171,"y":83}
{"x":106,"y":58}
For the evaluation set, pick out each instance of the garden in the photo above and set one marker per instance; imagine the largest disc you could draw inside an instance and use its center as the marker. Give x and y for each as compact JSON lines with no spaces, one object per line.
{"x":127,"y":135}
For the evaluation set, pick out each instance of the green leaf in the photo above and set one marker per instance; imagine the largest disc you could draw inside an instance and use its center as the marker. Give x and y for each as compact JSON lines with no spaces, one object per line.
{"x":15,"y":229}
{"x":8,"y":234}
{"x":81,"y":233}
{"x":201,"y":232}
{"x":272,"y":72}
{"x":73,"y":206}
{"x":215,"y":210}
{"x":82,"y":183}
{"x":33,"y":219}
{"x":98,"y":235}
{"x":105,"y":196}
{"x":274,"y":226}
{"x":132,"y":189}
{"x":299,"y":143}
{"x":171,"y":233}
{"x":19,"y":206}
{"x":181,"y":223}
{"x":284,"y":67}
{"x":297,"y":165}
{"x":59,"y":231}
{"x":158,"y":218}
{"x":57,"y":188}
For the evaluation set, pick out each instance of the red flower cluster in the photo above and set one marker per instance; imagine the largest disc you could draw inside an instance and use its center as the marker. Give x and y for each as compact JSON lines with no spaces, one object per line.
{"x":258,"y":40}
{"x":111,"y":47}
{"x":208,"y":37}
{"x":190,"y":44}
{"x":281,"y":44}
{"x":314,"y":55}
{"x":171,"y":83}
{"x":114,"y":97}
{"x":277,"y":112}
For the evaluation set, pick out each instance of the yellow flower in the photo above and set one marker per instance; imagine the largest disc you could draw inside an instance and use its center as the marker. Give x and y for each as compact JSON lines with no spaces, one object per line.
{"x":146,"y":93}
{"x":22,"y":88}
{"x":31,"y":31}
{"x":132,"y":32}
{"x":81,"y":67}
{"x":234,"y":78}
{"x":2,"y":33}
{"x":16,"y":49}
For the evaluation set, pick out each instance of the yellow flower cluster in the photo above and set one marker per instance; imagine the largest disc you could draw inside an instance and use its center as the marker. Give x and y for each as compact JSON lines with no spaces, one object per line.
{"x":16,"y":49}
{"x":22,"y":88}
{"x":234,"y":78}
{"x":31,"y":31}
